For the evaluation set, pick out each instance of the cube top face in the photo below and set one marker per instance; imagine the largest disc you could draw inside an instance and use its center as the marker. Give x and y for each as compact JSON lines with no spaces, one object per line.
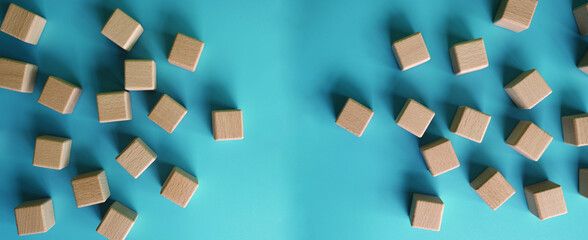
{"x":415,"y":118}
{"x":470,"y":124}
{"x":35,"y":216}
{"x":528,"y":89}
{"x":90,"y":188}
{"x":114,"y":106}
{"x":136,"y":157}
{"x":440,"y":156}
{"x":52,"y":152}
{"x":581,"y":15}
{"x":17,"y":76}
{"x":60,"y":95}
{"x":426,"y":212}
{"x":493,"y":188}
{"x":529,"y":140}
{"x":515,"y":15}
{"x":22,"y":24}
{"x":185,"y":52}
{"x":117,"y":222}
{"x":167,"y":113}
{"x":468,"y":56}
{"x":140,"y":75}
{"x":411,"y":51}
{"x":179,"y":187}
{"x":546,"y":200}
{"x":227,"y":125}
{"x":575,"y":129}
{"x":354,"y":117}
{"x":122,"y":30}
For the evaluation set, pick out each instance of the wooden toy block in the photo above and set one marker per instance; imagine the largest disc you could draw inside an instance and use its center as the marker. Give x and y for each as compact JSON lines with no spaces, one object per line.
{"x":411,"y":51}
{"x":545,"y":200}
{"x":439,"y":156}
{"x":468,"y":56}
{"x":581,"y":15}
{"x":426,"y":212}
{"x":114,"y":106}
{"x":529,"y":140}
{"x":117,"y":222}
{"x":414,"y":117}
{"x":52,"y":152}
{"x":354,"y":117}
{"x":90,"y":188}
{"x":470,"y":124}
{"x":185,"y":52}
{"x":35,"y":216}
{"x":136,"y":157}
{"x":60,"y":95}
{"x":493,"y":188}
{"x":583,"y":182}
{"x":227,"y":125}
{"x":583,"y":64}
{"x":17,"y":76}
{"x":528,"y":89}
{"x":140,"y":75}
{"x":179,"y":187}
{"x":515,"y":15}
{"x":575,"y":129}
{"x":167,"y":113}
{"x":22,"y":24}
{"x":122,"y":30}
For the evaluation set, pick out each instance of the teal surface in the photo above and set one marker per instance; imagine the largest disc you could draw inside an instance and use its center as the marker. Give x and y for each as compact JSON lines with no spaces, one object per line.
{"x":290,"y":65}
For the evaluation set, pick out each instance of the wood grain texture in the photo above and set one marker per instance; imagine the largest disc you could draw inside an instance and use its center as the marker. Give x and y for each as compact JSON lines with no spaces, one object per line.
{"x":529,"y":140}
{"x":227,"y":125}
{"x":414,"y":117}
{"x":581,"y":15}
{"x":167,"y":113}
{"x":545,"y":200}
{"x":35,"y":216}
{"x":140,"y":75}
{"x":185,"y":52}
{"x":136,"y":157}
{"x":17,"y":76}
{"x":528,"y":89}
{"x":583,"y":63}
{"x":515,"y":15}
{"x":354,"y":117}
{"x":179,"y":187}
{"x":90,"y":188}
{"x":470,"y":124}
{"x":575,"y":129}
{"x":123,"y":30}
{"x":22,"y":24}
{"x":426,"y":212}
{"x":411,"y":51}
{"x":583,"y":182}
{"x":52,"y":152}
{"x":60,"y":95}
{"x":114,"y":106}
{"x":493,"y":188}
{"x":468,"y":56}
{"x":439,"y":156}
{"x":117,"y":222}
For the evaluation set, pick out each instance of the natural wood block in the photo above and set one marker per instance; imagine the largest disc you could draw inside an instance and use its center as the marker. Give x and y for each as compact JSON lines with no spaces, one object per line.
{"x":528,"y":89}
{"x":185,"y":52}
{"x":60,"y":95}
{"x":426,"y":212}
{"x":529,"y":140}
{"x":411,"y":51}
{"x":414,"y":117}
{"x":492,"y":187}
{"x":470,"y":124}
{"x":136,"y":157}
{"x":90,"y":188}
{"x":35,"y":216}
{"x":468,"y":56}
{"x":22,"y":24}
{"x":114,"y":106}
{"x":140,"y":75}
{"x":581,"y":15}
{"x":575,"y":129}
{"x":17,"y":76}
{"x":583,"y":64}
{"x":583,"y":182}
{"x":167,"y":113}
{"x":515,"y":15}
{"x":52,"y":152}
{"x":545,"y":200}
{"x":122,"y":30}
{"x":227,"y":125}
{"x":439,"y":156}
{"x":354,"y":117}
{"x":179,"y":187}
{"x":117,"y":222}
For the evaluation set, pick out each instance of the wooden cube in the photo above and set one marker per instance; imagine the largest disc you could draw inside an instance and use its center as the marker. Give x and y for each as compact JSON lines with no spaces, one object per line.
{"x":227,"y":125}
{"x":529,"y":140}
{"x":122,"y":30}
{"x":575,"y":129}
{"x":583,"y":64}
{"x":35,"y":216}
{"x":167,"y":113}
{"x":52,"y":152}
{"x":140,"y":75}
{"x":22,"y":24}
{"x":581,"y":15}
{"x":528,"y":89}
{"x":17,"y":76}
{"x":414,"y":117}
{"x":114,"y":106}
{"x":492,"y":187}
{"x":468,"y":56}
{"x":439,"y":156}
{"x":179,"y":187}
{"x":136,"y":157}
{"x":515,"y":15}
{"x":583,"y":182}
{"x":545,"y":200}
{"x":354,"y":117}
{"x":90,"y":188}
{"x":117,"y":222}
{"x":411,"y":51}
{"x":426,"y":212}
{"x":470,"y":124}
{"x":185,"y":52}
{"x":60,"y":95}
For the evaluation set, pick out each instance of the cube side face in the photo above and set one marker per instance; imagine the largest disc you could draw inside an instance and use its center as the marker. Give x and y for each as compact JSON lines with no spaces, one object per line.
{"x":22,"y":24}
{"x":167,"y":113}
{"x":179,"y":187}
{"x":426,"y":214}
{"x":123,"y":30}
{"x":440,"y":157}
{"x":495,"y":190}
{"x":532,"y":143}
{"x":581,"y":16}
{"x":90,"y":188}
{"x":469,"y":56}
{"x":114,"y":107}
{"x":140,"y":75}
{"x":227,"y":125}
{"x":59,"y":95}
{"x":580,"y":128}
{"x":516,"y":15}
{"x":415,"y":118}
{"x":569,"y":130}
{"x":136,"y":157}
{"x":583,"y":182}
{"x":117,"y":222}
{"x":470,"y":124}
{"x":17,"y":76}
{"x":34,"y":216}
{"x":411,"y":51}
{"x":185,"y":52}
{"x":550,"y":203}
{"x":354,"y":117}
{"x":528,"y":90}
{"x":36,"y":30}
{"x":52,"y":152}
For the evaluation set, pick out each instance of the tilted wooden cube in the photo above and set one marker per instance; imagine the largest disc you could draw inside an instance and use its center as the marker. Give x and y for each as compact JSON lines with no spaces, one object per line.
{"x":185,"y":52}
{"x":426,"y":212}
{"x":493,"y":188}
{"x":411,"y":51}
{"x":414,"y":117}
{"x":123,"y":30}
{"x":354,"y":117}
{"x":22,"y":24}
{"x":136,"y":157}
{"x":60,"y":95}
{"x":529,"y":140}
{"x":227,"y":125}
{"x":515,"y":15}
{"x":545,"y":200}
{"x":17,"y":76}
{"x":583,"y":182}
{"x":52,"y":152}
{"x":179,"y":187}
{"x":114,"y":106}
{"x":167,"y":113}
{"x":35,"y":216}
{"x":117,"y":222}
{"x":575,"y":129}
{"x":528,"y":89}
{"x":581,"y":15}
{"x":470,"y":124}
{"x":140,"y":75}
{"x":468,"y":56}
{"x":439,"y":156}
{"x":90,"y":188}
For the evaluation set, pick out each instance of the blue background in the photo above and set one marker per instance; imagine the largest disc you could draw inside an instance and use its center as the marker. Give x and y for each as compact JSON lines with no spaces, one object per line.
{"x":290,"y":65}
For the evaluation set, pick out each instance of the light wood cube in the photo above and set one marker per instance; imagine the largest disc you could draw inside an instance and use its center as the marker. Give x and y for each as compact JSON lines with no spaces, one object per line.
{"x":354,"y":117}
{"x":545,"y":200}
{"x":179,"y":187}
{"x":60,"y":95}
{"x":114,"y":106}
{"x":136,"y":157}
{"x":185,"y":52}
{"x":468,"y":56}
{"x":581,"y":15}
{"x":22,"y":24}
{"x":470,"y":124}
{"x":583,"y":182}
{"x":140,"y":75}
{"x":415,"y":118}
{"x":35,"y":216}
{"x":426,"y":212}
{"x":411,"y":51}
{"x":493,"y":188}
{"x":528,"y":89}
{"x":52,"y":152}
{"x":17,"y":76}
{"x":227,"y":125}
{"x":529,"y":140}
{"x":117,"y":222}
{"x":440,"y":156}
{"x":123,"y":30}
{"x":90,"y":188}
{"x":515,"y":15}
{"x":167,"y":113}
{"x":575,"y":129}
